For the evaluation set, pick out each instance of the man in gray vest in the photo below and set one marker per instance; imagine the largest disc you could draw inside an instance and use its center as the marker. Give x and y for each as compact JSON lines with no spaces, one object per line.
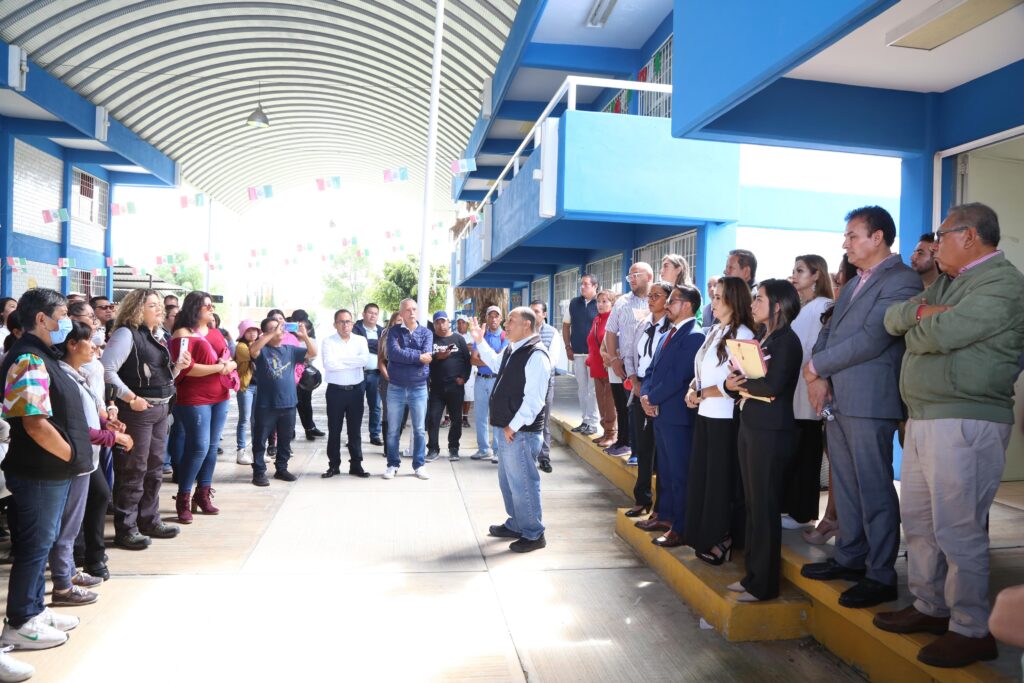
{"x":517,"y":418}
{"x":575,"y":328}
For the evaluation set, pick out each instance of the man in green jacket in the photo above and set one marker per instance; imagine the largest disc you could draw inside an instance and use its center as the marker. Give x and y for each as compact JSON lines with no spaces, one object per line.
{"x":964,"y":337}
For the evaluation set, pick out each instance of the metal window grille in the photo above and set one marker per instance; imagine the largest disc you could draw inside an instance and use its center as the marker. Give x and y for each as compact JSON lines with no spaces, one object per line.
{"x":90,"y":197}
{"x":81,"y":281}
{"x":608,"y":272}
{"x":684,"y":244}
{"x":567,"y":285}
{"x":99,"y":285}
{"x":657,"y":70}
{"x":539,"y":290}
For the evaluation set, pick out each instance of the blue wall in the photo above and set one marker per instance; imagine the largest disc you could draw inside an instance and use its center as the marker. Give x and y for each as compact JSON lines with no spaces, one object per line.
{"x":516,"y":212}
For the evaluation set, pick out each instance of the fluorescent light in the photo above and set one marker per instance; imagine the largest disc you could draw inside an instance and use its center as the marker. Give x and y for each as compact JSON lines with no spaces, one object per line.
{"x":599,"y":13}
{"x":944,"y":21}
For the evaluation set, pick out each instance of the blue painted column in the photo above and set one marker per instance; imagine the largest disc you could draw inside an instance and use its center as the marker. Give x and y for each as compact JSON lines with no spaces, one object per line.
{"x":714,"y":242}
{"x":65,"y":226}
{"x":6,"y":210}
{"x":108,"y":244}
{"x":915,"y":201}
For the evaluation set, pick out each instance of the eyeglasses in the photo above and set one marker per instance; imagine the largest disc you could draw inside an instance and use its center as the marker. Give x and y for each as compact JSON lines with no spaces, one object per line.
{"x":105,"y":308}
{"x":209,"y":307}
{"x":343,"y":322}
{"x":673,"y":301}
{"x":939,"y":233}
{"x":634,"y":276}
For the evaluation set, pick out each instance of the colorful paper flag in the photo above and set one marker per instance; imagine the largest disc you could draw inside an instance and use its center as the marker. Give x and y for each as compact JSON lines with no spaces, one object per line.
{"x":321,"y":184}
{"x":22,"y":261}
{"x":131,"y":208}
{"x":62,"y":262}
{"x":159,"y":260}
{"x":10,"y":260}
{"x":110,"y":262}
{"x":115,"y":210}
{"x":200,"y":199}
{"x":206,"y":256}
{"x":389,"y":176}
{"x":252,"y":193}
{"x":657,"y":64}
{"x":336,"y":182}
{"x":65,"y":215}
{"x":170,"y":258}
{"x":642,"y":75}
{"x":403,"y":173}
{"x":463,"y":166}
{"x":184,"y":202}
{"x":268,"y":191}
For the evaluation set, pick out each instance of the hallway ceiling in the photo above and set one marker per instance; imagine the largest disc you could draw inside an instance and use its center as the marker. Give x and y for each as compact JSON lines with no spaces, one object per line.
{"x":344,"y":84}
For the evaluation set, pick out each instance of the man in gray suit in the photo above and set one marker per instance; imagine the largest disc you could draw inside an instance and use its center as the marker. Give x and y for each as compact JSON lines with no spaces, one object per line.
{"x":855,"y":365}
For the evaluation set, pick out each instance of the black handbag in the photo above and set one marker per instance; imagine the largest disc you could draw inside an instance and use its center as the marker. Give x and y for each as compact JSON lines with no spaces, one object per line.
{"x":311,"y":378}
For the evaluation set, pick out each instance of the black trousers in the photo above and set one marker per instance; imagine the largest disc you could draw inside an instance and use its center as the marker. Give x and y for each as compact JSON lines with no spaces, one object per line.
{"x":621,"y":396}
{"x":305,"y":408}
{"x":451,"y":397}
{"x":643,"y":449}
{"x":763,"y":456}
{"x":344,"y":406}
{"x":803,"y":475}
{"x":91,"y":544}
{"x":714,"y":501}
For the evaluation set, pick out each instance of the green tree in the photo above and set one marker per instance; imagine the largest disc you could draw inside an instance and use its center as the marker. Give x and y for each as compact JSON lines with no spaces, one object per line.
{"x":399,"y":280}
{"x":346,"y":282}
{"x":189,"y":276}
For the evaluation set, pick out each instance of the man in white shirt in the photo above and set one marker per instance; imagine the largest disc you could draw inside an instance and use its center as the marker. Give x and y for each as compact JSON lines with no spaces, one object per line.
{"x":344,"y":356}
{"x":559,"y":365}
{"x":620,"y":338}
{"x":517,"y":419}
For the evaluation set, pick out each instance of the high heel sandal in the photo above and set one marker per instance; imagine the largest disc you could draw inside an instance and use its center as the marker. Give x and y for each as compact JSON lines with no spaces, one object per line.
{"x":820,"y":535}
{"x":716,"y":560}
{"x":638,"y":510}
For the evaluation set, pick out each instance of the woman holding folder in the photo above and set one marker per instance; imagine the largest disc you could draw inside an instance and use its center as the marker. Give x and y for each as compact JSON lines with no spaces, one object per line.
{"x":766,"y":435}
{"x":714,"y":499}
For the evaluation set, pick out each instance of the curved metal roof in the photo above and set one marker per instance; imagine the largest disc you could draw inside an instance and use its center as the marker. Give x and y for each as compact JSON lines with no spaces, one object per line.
{"x":345,"y":83}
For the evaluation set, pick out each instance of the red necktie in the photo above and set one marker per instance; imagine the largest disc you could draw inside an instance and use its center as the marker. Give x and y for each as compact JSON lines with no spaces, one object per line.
{"x":668,"y":337}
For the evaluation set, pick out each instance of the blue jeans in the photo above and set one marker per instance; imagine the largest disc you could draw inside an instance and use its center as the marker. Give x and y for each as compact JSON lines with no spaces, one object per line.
{"x":415,"y":399}
{"x":202,"y":426}
{"x":373,"y":402}
{"x":244,"y":400}
{"x":34,"y":518}
{"x":175,"y":443}
{"x":519,"y":481}
{"x":482,"y":388}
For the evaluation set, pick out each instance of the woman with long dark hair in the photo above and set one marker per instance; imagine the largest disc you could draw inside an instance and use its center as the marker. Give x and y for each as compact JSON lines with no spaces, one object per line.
{"x":766,"y":436}
{"x":714,"y":499}
{"x":201,"y":406}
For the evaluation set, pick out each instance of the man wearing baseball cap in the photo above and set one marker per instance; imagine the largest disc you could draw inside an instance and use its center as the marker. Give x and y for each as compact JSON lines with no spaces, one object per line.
{"x":494,"y":337}
{"x":449,"y":370}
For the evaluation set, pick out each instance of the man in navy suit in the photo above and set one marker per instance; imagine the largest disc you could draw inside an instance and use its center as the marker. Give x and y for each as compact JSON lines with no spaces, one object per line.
{"x":662,"y":394}
{"x":855,"y":366}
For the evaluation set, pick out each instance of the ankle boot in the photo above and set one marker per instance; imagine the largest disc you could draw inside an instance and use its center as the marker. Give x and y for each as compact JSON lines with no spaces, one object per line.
{"x":203,"y":501}
{"x":181,"y":505}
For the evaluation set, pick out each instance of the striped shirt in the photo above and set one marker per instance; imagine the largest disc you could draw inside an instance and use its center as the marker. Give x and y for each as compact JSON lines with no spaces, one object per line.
{"x":627,"y":313}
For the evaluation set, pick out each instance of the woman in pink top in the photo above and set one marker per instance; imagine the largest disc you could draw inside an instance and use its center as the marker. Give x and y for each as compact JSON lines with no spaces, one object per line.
{"x":202,"y":401}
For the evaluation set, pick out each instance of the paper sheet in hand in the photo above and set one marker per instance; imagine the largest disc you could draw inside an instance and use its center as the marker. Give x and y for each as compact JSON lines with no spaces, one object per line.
{"x":747,"y":357}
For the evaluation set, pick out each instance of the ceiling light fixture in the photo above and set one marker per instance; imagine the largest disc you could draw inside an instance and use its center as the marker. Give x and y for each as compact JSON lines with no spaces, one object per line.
{"x":944,"y":21}
{"x":598,"y":15}
{"x":258,"y":118}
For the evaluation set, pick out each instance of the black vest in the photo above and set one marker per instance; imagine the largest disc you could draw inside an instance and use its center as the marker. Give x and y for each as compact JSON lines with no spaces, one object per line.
{"x":507,"y":396}
{"x":25,"y":457}
{"x":147,"y":370}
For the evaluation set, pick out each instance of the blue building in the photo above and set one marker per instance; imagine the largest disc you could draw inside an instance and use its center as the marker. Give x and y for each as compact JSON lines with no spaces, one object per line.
{"x":61,"y":158}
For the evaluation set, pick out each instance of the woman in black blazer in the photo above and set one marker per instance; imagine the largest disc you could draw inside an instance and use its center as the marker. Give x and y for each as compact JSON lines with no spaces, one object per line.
{"x":766,"y":436}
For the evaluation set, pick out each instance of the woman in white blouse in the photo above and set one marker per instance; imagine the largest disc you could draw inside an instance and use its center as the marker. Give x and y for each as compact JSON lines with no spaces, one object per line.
{"x":714,"y":502}
{"x":803,"y":475}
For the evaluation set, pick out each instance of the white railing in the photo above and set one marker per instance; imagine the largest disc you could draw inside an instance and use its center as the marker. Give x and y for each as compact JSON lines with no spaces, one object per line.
{"x":568,"y":92}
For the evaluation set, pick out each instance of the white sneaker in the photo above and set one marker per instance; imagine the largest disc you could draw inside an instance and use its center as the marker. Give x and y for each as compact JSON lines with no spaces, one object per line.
{"x":390,"y":472}
{"x":34,"y":634}
{"x":62,"y":622}
{"x":11,"y":670}
{"x":243,"y":456}
{"x":790,"y":523}
{"x":421,"y":473}
{"x":494,"y":457}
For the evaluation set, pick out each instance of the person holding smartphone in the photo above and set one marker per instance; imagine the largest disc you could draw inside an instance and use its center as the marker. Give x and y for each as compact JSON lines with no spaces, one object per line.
{"x":449,"y":371}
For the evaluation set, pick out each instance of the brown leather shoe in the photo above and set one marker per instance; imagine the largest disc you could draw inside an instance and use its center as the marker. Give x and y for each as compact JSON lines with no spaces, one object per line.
{"x":954,"y":650}
{"x":909,"y":620}
{"x":653,"y":525}
{"x":670,"y":540}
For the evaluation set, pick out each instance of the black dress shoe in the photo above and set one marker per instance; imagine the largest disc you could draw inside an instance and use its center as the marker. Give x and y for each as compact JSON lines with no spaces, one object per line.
{"x":358,"y":472}
{"x":579,"y":428}
{"x":376,"y":441}
{"x":310,"y":436}
{"x":315,"y":432}
{"x":524,"y":545}
{"x":502,"y":531}
{"x":331,"y":471}
{"x":132,"y":541}
{"x":161,"y":530}
{"x":829,"y":570}
{"x":867,"y":593}
{"x":284,"y":475}
{"x":544,"y":465}
{"x":260,"y":479}
{"x":100,"y":570}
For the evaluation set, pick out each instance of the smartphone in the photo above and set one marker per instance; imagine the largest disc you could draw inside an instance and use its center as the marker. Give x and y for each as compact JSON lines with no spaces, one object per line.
{"x":291,"y":327}
{"x":184,"y":346}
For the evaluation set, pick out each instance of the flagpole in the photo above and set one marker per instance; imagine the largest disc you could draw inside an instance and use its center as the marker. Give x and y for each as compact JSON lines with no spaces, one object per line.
{"x":423,"y":298}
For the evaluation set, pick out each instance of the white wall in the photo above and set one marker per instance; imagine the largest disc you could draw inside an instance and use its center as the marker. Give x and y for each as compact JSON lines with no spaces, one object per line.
{"x":87,"y":235}
{"x":37,"y":187}
{"x":776,"y":249}
{"x":999,"y":183}
{"x":33,"y":275}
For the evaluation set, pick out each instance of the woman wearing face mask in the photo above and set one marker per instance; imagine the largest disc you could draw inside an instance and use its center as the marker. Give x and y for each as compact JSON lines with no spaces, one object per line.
{"x":139,"y":369}
{"x":766,"y":436}
{"x":69,"y":587}
{"x":201,"y":405}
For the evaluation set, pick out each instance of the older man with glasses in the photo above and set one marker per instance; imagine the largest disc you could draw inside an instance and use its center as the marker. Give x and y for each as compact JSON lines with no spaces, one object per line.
{"x":964,"y":336}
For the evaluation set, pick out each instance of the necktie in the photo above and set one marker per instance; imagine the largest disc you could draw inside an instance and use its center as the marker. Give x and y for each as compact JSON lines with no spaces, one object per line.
{"x":504,"y":359}
{"x":663,"y":344}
